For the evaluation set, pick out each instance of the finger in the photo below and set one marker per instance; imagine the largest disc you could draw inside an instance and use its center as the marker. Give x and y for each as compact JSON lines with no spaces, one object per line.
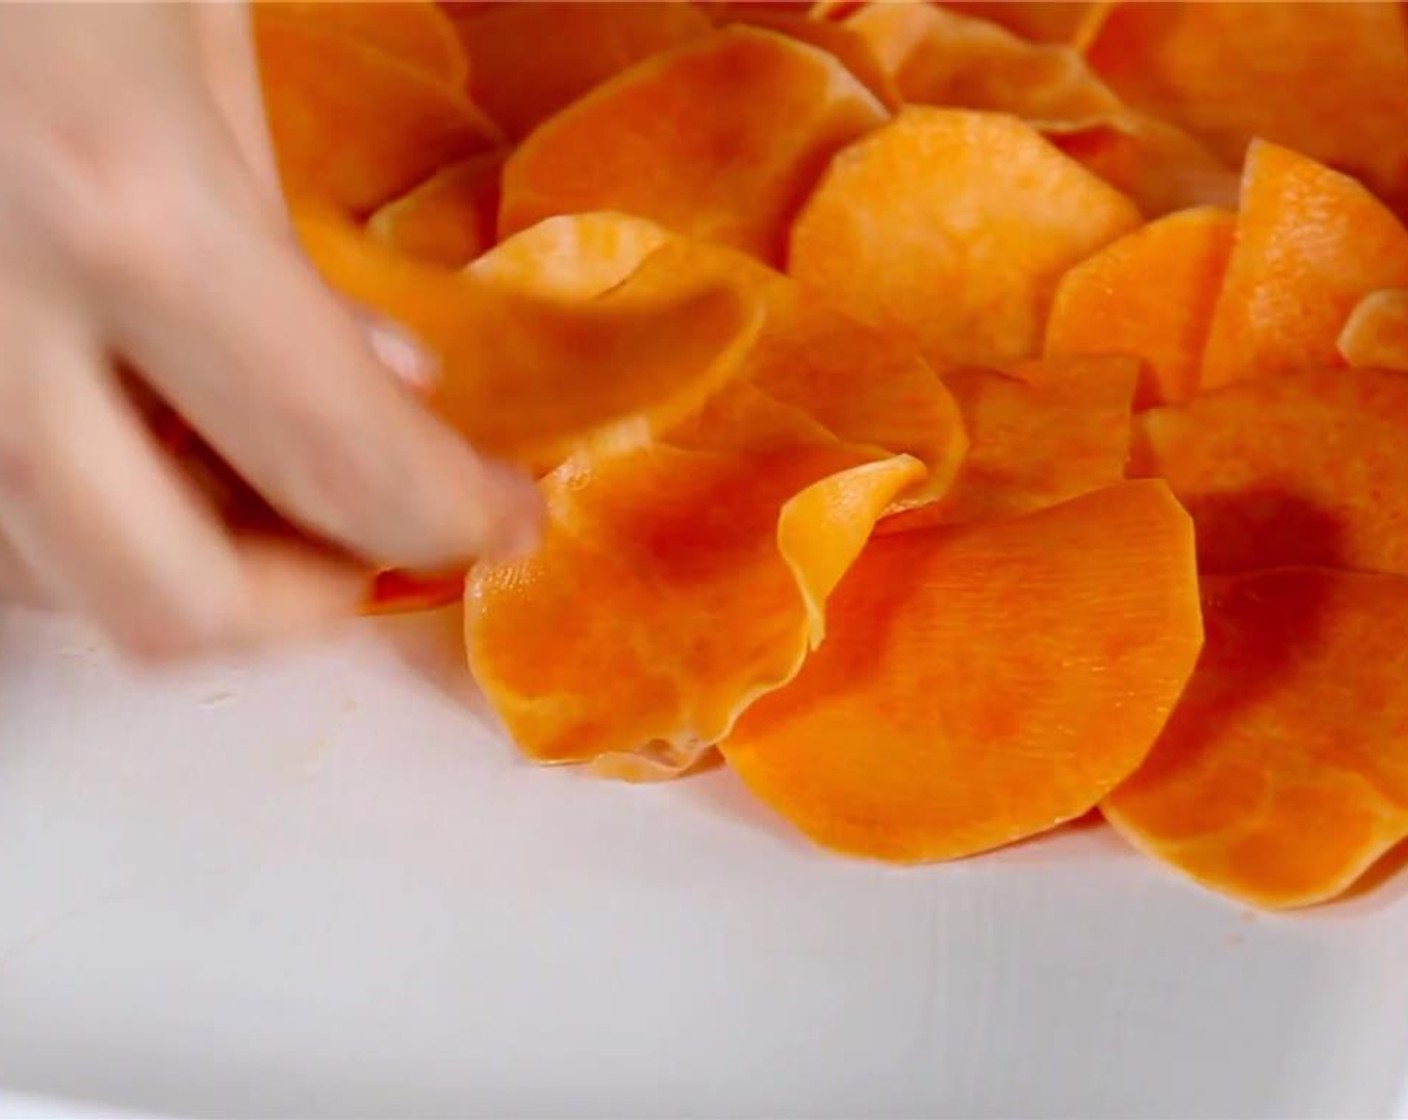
{"x":235,"y":330}
{"x":17,"y":583}
{"x":110,"y":531}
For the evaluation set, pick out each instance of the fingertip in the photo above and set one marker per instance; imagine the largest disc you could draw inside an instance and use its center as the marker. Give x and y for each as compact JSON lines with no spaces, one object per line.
{"x":513,"y":512}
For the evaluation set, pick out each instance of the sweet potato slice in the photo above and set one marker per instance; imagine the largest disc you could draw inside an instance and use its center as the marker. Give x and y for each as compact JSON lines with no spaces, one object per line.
{"x":1310,"y":244}
{"x":534,"y":374}
{"x":1150,"y":295}
{"x":847,"y":45}
{"x":673,"y":588}
{"x":1283,"y":773}
{"x":1305,"y":468}
{"x":952,"y":228}
{"x":449,"y":219}
{"x":1160,"y":167}
{"x":939,"y":57}
{"x":983,"y":683}
{"x":859,"y":384}
{"x":1376,"y":335}
{"x":399,"y":592}
{"x":353,"y":126}
{"x":530,"y":60}
{"x":719,"y":140}
{"x":417,"y":32}
{"x":1040,"y":434}
{"x":1230,"y":73}
{"x":1045,"y":21}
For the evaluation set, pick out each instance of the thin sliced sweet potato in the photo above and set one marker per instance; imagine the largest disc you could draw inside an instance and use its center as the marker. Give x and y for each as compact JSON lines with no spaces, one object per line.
{"x":1376,"y":335}
{"x":399,"y":592}
{"x":532,"y":375}
{"x":983,"y":683}
{"x":1160,"y":167}
{"x":449,"y":219}
{"x":939,"y":57}
{"x":1310,"y":244}
{"x":1150,"y":295}
{"x":530,"y":60}
{"x":351,"y":125}
{"x":417,"y":32}
{"x":719,"y":140}
{"x":846,"y":44}
{"x":1041,"y":434}
{"x":1045,"y":21}
{"x":1326,"y":79}
{"x":673,"y":588}
{"x":849,"y":379}
{"x":952,"y":228}
{"x":1283,"y":773}
{"x":1305,"y":468}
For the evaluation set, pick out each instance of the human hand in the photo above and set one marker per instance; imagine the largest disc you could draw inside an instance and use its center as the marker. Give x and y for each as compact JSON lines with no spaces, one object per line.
{"x":141,"y":227}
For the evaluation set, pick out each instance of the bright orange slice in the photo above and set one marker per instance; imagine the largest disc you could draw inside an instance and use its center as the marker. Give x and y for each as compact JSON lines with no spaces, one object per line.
{"x":1232,"y":72}
{"x":352,"y":125}
{"x":983,"y":683}
{"x":417,"y":32}
{"x":530,"y":60}
{"x":1042,"y":21}
{"x":532,"y":374}
{"x":1305,"y":468}
{"x":447,"y":220}
{"x":720,"y":140}
{"x":1283,"y":773}
{"x":1310,"y":244}
{"x":1041,"y":434}
{"x":953,"y":228}
{"x":1150,"y":295}
{"x":1376,"y":335}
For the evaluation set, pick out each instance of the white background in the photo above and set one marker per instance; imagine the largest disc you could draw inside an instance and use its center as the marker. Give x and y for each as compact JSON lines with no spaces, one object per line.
{"x":324,"y":886}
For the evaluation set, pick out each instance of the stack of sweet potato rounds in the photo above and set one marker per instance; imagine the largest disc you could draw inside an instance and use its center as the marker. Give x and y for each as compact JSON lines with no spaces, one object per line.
{"x":957,"y":416}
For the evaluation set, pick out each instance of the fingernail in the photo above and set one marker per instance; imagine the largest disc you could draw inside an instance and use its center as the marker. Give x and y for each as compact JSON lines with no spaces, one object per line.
{"x":402,"y":353}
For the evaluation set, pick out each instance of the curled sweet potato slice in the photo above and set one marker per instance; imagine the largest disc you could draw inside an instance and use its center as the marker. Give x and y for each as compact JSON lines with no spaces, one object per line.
{"x":720,"y":140}
{"x":354,"y":126}
{"x":939,"y":57}
{"x":673,"y":588}
{"x":1150,"y":295}
{"x":982,"y":683}
{"x":848,"y":45}
{"x":1376,"y":335}
{"x":952,"y":229}
{"x":1233,"y":72}
{"x":530,"y":60}
{"x":1305,"y":468}
{"x":1040,"y":434}
{"x":1044,"y":21}
{"x":1283,"y":773}
{"x":447,"y":220}
{"x":533,"y":374}
{"x":1310,"y":244}
{"x":417,"y":32}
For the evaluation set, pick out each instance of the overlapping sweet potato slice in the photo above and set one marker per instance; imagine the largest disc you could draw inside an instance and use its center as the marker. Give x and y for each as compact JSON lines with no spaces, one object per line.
{"x":352,"y":125}
{"x":848,"y":45}
{"x":1329,"y":80}
{"x":1045,"y":21}
{"x":1150,"y":294}
{"x":952,"y":228}
{"x":417,"y":32}
{"x":532,"y":374}
{"x":673,"y":588}
{"x":1376,"y":335}
{"x":1310,"y":244}
{"x":719,"y":140}
{"x":983,"y":683}
{"x":449,"y":219}
{"x":1305,"y":468}
{"x":1040,"y":434}
{"x":1283,"y":773}
{"x":1160,"y":167}
{"x":938,"y":57}
{"x":529,"y":60}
